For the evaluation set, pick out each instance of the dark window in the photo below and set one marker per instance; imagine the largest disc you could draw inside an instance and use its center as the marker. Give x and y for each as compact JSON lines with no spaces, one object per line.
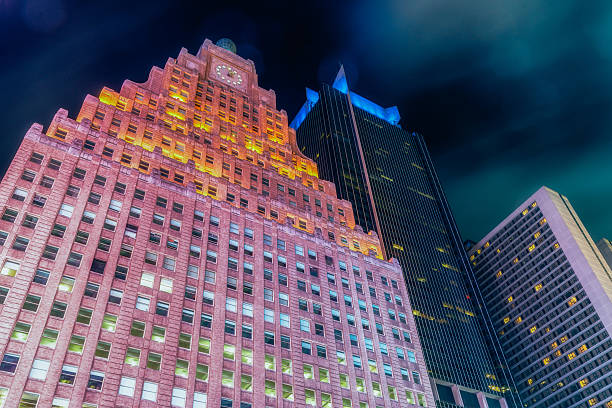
{"x":41,"y":276}
{"x":98,"y":266}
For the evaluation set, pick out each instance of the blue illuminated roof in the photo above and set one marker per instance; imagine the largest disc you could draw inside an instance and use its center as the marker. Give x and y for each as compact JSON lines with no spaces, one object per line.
{"x":312,"y":97}
{"x":390,"y":115}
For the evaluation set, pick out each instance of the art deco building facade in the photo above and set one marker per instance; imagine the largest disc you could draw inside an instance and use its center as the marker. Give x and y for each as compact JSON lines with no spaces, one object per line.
{"x":549,"y":291}
{"x":172,"y":247}
{"x":387,"y":173}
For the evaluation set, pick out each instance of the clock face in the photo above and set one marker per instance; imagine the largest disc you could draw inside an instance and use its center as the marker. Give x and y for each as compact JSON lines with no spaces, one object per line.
{"x":228,"y":75}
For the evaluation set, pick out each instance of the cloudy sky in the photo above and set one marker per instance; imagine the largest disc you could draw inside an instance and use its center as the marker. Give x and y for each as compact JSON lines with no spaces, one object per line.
{"x":510,"y":95}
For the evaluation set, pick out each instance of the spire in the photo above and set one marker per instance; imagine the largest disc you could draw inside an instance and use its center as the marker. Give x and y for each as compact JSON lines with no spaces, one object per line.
{"x":340,"y":81}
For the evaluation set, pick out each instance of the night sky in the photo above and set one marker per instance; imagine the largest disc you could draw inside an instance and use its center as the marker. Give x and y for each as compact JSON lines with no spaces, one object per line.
{"x":509,"y":94}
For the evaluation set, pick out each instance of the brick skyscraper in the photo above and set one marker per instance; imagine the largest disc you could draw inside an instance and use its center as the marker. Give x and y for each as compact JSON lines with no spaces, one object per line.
{"x":172,"y":247}
{"x":549,"y":291}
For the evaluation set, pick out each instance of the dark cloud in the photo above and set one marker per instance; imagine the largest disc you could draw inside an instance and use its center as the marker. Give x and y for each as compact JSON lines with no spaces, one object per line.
{"x":510,"y":95}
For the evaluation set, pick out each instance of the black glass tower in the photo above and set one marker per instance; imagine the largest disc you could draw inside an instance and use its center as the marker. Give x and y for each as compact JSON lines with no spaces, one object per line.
{"x":388,"y":175}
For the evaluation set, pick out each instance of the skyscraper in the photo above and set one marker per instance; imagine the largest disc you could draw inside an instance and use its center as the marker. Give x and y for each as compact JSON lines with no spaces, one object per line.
{"x":172,"y":247}
{"x":549,"y":291}
{"x":386,"y":172}
{"x":605,"y":247}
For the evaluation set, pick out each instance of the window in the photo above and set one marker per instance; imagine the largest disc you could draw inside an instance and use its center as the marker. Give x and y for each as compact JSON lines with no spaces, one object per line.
{"x":126,"y":386}
{"x":96,"y":378}
{"x":28,"y":175}
{"x":19,"y":194}
{"x":344,"y":381}
{"x":206,"y":320}
{"x":58,"y":230}
{"x":73,"y":191}
{"x":50,"y":252}
{"x":9,"y":362}
{"x":29,"y":400}
{"x":285,"y":342}
{"x":39,"y":370}
{"x":31,"y":303}
{"x":29,"y":221}
{"x":103,"y":349}
{"x":68,"y":374}
{"x":21,"y":331}
{"x":247,"y":309}
{"x":58,"y":309}
{"x":230,"y":327}
{"x":306,"y":347}
{"x":74,"y":259}
{"x":77,"y":344}
{"x":149,"y":391}
{"x":84,"y":316}
{"x":21,"y":243}
{"x":227,"y":378}
{"x":3,"y":293}
{"x":10,"y":268}
{"x":208,"y":297}
{"x":202,"y":372}
{"x":270,"y":388}
{"x":161,"y":308}
{"x":154,"y":361}
{"x":49,"y":338}
{"x":132,"y":356}
{"x":182,"y":368}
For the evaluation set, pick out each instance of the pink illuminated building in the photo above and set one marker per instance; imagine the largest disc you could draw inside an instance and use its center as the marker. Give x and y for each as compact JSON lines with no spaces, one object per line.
{"x":172,"y":247}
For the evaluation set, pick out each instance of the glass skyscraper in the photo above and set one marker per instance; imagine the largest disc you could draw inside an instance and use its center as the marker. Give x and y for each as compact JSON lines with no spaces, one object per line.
{"x":387,"y":173}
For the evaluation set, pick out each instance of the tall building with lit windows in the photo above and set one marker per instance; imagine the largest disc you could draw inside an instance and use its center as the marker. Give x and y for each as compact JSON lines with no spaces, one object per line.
{"x":549,"y":291}
{"x":388,"y":175}
{"x":170,"y":246}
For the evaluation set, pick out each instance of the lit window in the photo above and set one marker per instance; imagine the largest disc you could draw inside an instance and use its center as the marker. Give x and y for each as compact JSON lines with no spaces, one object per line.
{"x":132,"y":356}
{"x":229,"y":352}
{"x":227,"y":378}
{"x":165,"y":285}
{"x":247,"y":356}
{"x":182,"y":368}
{"x":287,"y":392}
{"x":149,"y":391}
{"x":147,"y":279}
{"x":158,"y":334}
{"x":10,"y":268}
{"x":39,"y":370}
{"x":179,"y":397}
{"x":270,"y":388}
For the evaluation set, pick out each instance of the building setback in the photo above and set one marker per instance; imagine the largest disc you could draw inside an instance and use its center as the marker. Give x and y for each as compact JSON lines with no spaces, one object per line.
{"x":387,"y":173}
{"x":549,"y":291}
{"x":605,"y":247}
{"x":171,"y":239}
